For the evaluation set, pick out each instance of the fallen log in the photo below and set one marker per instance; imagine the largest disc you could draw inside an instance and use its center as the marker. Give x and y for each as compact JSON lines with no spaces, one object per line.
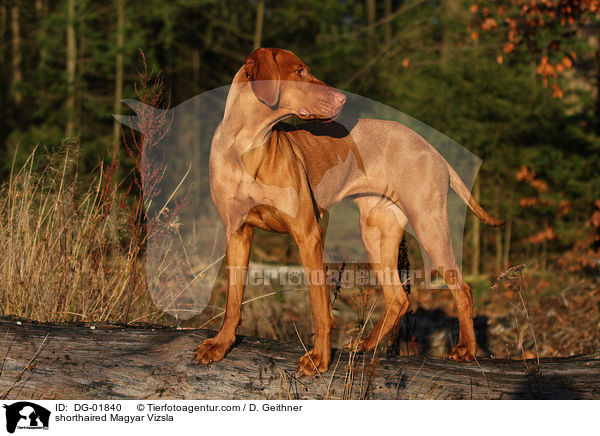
{"x":42,"y":361}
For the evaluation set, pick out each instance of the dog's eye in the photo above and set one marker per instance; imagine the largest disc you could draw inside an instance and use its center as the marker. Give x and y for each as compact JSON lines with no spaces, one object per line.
{"x":300,"y":71}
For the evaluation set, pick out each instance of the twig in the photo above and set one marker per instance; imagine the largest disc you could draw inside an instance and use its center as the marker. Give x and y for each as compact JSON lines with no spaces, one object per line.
{"x":413,"y":379}
{"x":28,"y":366}
{"x":334,"y":370}
{"x":311,"y":361}
{"x":484,"y":376}
{"x":526,"y":308}
{"x":7,"y":351}
{"x":260,"y":297}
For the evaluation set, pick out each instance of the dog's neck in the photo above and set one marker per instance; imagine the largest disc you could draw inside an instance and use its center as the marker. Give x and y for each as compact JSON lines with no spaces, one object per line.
{"x":253,"y":128}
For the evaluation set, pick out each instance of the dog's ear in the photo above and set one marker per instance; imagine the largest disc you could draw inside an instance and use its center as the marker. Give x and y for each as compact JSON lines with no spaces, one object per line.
{"x":263,"y":72}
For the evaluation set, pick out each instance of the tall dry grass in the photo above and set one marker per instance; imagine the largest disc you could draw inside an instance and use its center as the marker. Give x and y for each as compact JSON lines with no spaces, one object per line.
{"x":66,"y":254}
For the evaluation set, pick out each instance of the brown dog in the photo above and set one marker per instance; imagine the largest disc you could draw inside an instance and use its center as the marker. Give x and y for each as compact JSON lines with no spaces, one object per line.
{"x":282,"y":179}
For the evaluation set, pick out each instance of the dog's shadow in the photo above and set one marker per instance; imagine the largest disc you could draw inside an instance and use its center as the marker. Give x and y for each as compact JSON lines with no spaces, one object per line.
{"x":434,"y":332}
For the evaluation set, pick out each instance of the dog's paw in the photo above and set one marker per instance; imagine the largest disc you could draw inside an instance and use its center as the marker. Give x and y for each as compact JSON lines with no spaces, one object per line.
{"x":365,"y":344}
{"x":312,"y":362}
{"x":461,"y":353}
{"x":356,"y":345}
{"x":211,"y":351}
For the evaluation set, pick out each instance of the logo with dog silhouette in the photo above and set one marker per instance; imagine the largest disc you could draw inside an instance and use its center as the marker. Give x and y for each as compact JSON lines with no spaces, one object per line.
{"x":26,"y":415}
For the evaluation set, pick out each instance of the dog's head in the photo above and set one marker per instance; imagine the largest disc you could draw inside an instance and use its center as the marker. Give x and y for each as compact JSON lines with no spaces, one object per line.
{"x":281,"y":80}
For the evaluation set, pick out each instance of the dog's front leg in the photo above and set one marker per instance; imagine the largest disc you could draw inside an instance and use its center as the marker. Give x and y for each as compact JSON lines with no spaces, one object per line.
{"x":310,"y":245}
{"x":238,"y":252}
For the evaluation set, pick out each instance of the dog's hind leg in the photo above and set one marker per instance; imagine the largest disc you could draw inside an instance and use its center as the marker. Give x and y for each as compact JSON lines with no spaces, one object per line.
{"x":432,"y":230}
{"x":382,"y":227}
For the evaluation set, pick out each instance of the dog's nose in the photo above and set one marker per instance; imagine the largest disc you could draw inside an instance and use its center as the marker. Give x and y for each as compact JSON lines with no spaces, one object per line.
{"x":340,"y":98}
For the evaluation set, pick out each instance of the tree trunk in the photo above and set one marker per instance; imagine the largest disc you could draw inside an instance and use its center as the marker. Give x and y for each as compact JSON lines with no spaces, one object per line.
{"x":3,"y":78}
{"x":71,"y":63}
{"x":41,"y":14}
{"x":498,"y":236}
{"x":544,"y":250}
{"x":17,"y":75}
{"x":596,"y":43}
{"x":80,"y":57}
{"x":387,"y":27}
{"x":452,"y":14}
{"x":370,"y":6}
{"x":2,"y":27}
{"x":196,"y":59}
{"x":60,"y":362}
{"x":507,"y":231}
{"x":476,"y":234}
{"x":258,"y":28}
{"x":498,"y":243}
{"x":196,"y":68}
{"x":2,"y":31}
{"x":120,"y":36}
{"x":507,"y":235}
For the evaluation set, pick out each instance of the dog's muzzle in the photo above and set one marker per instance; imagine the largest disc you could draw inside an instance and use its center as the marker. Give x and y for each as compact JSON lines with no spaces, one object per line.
{"x":327,"y":109}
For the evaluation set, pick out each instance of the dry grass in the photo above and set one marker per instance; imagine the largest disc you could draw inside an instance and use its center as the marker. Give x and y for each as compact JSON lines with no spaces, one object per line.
{"x":63,"y":258}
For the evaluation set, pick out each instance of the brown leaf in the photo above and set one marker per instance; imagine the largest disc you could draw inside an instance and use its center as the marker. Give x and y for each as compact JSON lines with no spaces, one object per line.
{"x":540,"y":185}
{"x":489,"y":24}
{"x":527,"y":202}
{"x":556,"y":91}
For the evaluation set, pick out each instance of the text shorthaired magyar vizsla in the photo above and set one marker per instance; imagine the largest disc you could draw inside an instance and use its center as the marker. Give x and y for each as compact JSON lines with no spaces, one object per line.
{"x":282,"y":179}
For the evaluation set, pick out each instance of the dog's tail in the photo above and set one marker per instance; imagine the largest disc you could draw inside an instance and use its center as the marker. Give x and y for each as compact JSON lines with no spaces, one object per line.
{"x":463,"y":192}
